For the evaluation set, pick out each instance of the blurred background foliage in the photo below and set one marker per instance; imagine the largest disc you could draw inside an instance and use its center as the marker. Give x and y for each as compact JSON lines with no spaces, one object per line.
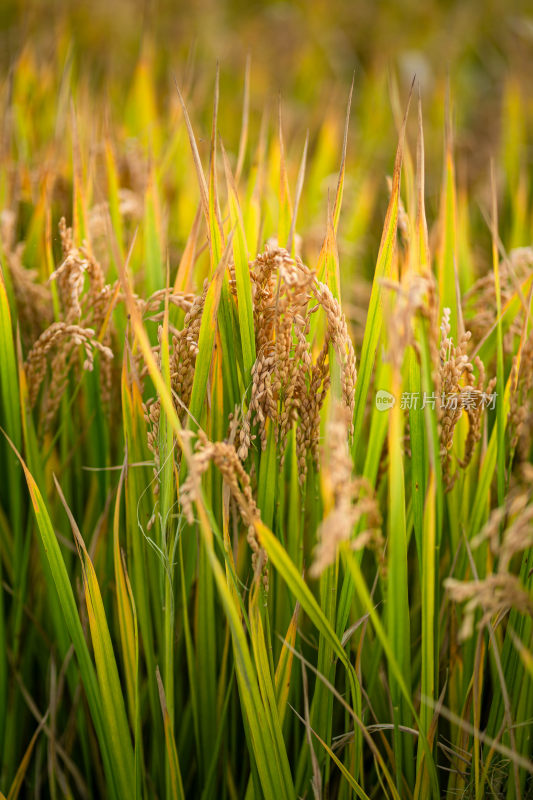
{"x":128,"y":55}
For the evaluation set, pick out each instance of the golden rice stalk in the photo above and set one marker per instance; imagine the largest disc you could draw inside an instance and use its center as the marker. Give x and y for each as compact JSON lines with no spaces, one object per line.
{"x":287,"y":386}
{"x":495,"y":595}
{"x":479,"y":302}
{"x":509,"y":529}
{"x":224,"y":456}
{"x":34,"y":301}
{"x":64,"y":336}
{"x":521,"y":401}
{"x":452,"y":396}
{"x":185,"y":348}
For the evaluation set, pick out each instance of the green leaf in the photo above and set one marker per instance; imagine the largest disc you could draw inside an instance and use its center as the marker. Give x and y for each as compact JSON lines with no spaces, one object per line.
{"x":112,"y":700}
{"x":176,"y":783}
{"x":115,"y":777}
{"x":374,"y":321}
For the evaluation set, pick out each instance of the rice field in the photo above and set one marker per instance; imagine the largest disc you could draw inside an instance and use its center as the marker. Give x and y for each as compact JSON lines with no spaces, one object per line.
{"x":266,"y":401}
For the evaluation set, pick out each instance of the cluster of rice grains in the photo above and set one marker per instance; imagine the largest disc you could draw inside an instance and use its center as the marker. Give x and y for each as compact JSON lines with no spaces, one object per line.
{"x":288,"y":387}
{"x":85,"y":309}
{"x":456,"y":390}
{"x":509,"y":532}
{"x":34,"y":301}
{"x":521,"y":402}
{"x":224,"y":456}
{"x":480,"y":300}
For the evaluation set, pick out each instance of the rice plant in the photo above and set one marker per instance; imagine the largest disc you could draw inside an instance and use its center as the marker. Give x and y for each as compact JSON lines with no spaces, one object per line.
{"x":266,"y":514}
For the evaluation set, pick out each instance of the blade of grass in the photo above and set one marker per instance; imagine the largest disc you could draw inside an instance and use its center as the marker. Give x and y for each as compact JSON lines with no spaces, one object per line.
{"x":266,"y":685}
{"x":427,"y":685}
{"x":176,"y":783}
{"x":17,"y":784}
{"x":375,"y":311}
{"x":125,"y":613}
{"x":398,"y":621}
{"x":448,"y":245}
{"x":342,"y":169}
{"x":139,"y":766}
{"x":73,"y":625}
{"x":245,"y":120}
{"x":285,"y":212}
{"x":282,"y":677}
{"x":134,"y":435}
{"x":419,"y":262}
{"x":242,"y":275}
{"x":11,"y":419}
{"x":206,"y":339}
{"x":299,"y":187}
{"x":113,"y":707}
{"x":183,"y":275}
{"x":500,"y":420}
